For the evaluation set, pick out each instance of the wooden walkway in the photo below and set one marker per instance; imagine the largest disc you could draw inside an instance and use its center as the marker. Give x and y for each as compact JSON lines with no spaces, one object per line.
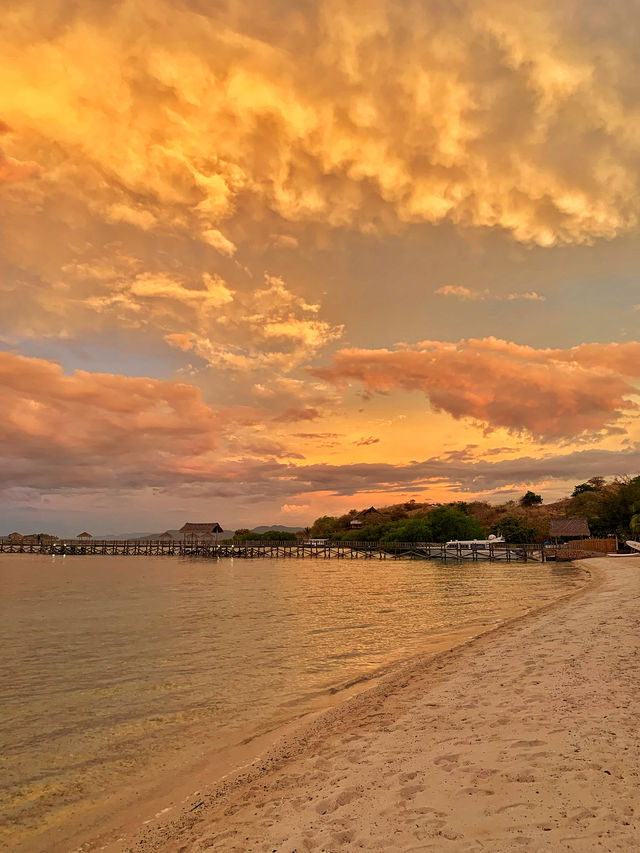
{"x":299,"y":550}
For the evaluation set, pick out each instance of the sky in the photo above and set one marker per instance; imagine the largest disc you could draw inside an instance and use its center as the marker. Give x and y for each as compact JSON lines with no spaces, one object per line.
{"x":262,"y":262}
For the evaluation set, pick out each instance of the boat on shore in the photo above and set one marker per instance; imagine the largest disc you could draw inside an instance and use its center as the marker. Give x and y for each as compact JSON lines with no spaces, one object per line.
{"x":630,"y":543}
{"x":477,"y":543}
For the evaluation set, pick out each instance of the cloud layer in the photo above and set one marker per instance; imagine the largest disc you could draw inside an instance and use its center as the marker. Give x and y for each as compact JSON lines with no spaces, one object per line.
{"x":550,"y":393}
{"x":105,"y":431}
{"x":122,"y":441}
{"x":348,"y":113}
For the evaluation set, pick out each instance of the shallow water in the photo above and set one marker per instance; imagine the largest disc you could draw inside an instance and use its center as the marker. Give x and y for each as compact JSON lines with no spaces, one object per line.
{"x":111,"y":665}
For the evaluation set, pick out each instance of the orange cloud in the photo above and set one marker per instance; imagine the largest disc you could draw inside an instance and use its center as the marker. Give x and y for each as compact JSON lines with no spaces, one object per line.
{"x":95,"y":429}
{"x":13,"y":171}
{"x":549,"y":393}
{"x":293,"y":415}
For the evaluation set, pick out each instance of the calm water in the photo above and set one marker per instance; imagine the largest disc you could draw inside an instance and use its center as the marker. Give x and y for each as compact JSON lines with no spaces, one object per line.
{"x":111,"y":665}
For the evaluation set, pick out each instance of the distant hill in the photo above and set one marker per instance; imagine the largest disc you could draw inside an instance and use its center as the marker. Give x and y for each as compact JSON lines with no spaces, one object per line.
{"x":226,"y":534}
{"x":121,"y":536}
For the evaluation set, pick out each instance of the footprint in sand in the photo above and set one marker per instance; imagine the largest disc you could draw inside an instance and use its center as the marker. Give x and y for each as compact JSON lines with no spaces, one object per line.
{"x":512,"y":806}
{"x":408,"y":777}
{"x":450,"y":758}
{"x":346,"y":796}
{"x":409,"y":790}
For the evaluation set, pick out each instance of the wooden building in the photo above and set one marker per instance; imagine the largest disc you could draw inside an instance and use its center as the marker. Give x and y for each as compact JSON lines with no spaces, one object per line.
{"x":365,"y":517}
{"x":84,"y":535}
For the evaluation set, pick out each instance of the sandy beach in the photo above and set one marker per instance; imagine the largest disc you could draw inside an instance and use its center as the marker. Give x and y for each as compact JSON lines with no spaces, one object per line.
{"x":526,"y":738}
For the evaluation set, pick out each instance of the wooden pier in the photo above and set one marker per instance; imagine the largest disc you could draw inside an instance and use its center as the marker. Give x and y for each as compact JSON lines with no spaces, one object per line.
{"x":300,"y":550}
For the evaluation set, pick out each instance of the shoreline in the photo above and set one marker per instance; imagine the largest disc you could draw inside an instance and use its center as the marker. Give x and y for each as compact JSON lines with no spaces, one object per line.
{"x":228,"y":765}
{"x":159,"y":781}
{"x":286,"y":744}
{"x":522,"y":738}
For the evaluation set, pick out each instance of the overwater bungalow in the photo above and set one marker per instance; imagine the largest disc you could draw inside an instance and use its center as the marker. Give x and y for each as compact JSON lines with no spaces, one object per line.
{"x":201,"y":531}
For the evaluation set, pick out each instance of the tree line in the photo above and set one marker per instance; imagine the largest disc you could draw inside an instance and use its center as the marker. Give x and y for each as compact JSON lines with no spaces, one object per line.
{"x":612,"y":508}
{"x":243,"y":534}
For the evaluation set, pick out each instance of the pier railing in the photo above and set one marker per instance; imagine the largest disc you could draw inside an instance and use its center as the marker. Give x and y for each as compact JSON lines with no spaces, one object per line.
{"x":302,"y":550}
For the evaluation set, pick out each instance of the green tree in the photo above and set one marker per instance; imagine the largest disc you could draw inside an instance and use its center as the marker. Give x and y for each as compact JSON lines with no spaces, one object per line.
{"x":278,"y":536}
{"x":530,"y":499}
{"x":515,"y":530}
{"x":615,"y":510}
{"x":366,"y":533}
{"x":243,"y":534}
{"x":324,"y":527}
{"x":449,"y":522}
{"x":409,"y":530}
{"x":634,"y":522}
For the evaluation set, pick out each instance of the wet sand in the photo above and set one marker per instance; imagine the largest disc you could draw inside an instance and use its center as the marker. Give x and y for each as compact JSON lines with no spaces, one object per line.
{"x":524,"y":739}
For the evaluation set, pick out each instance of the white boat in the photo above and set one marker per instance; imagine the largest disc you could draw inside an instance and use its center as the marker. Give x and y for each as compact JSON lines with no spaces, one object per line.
{"x":623,"y":554}
{"x":631,"y":543}
{"x":479,"y":543}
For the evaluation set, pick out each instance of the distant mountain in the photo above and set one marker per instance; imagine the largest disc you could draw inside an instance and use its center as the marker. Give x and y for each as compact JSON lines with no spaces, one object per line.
{"x":226,"y":534}
{"x":121,"y":536}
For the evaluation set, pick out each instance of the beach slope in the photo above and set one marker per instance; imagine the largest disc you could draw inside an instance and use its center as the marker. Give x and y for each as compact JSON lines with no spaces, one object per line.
{"x":525,"y":739}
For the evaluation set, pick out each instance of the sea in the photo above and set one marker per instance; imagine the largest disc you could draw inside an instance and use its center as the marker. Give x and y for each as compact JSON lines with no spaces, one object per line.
{"x":119,"y":674}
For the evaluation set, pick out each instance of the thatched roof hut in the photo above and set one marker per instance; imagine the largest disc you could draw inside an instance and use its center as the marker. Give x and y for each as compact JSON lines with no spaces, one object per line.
{"x":198,"y":530}
{"x":569,"y":528}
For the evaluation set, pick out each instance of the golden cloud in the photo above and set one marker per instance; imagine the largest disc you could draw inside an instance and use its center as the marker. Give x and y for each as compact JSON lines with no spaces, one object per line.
{"x":474,"y":295}
{"x":229,"y":327}
{"x":265,"y":327}
{"x":374,"y":114}
{"x":217,"y":239}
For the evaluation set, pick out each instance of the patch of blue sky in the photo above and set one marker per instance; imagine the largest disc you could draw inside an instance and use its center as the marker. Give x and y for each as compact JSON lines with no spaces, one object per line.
{"x":107,"y":353}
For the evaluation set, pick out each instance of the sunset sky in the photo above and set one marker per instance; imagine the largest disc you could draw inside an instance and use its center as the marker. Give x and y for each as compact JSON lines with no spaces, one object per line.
{"x":261,"y":262}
